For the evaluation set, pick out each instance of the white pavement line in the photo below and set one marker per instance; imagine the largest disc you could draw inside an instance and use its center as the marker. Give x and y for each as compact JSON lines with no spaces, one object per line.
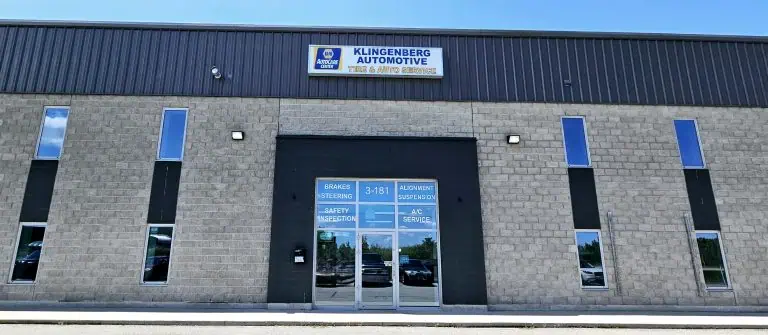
{"x":382,"y":319}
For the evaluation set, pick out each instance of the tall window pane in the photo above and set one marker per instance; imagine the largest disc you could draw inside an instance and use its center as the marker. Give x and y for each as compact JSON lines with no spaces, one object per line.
{"x":52,"y":134}
{"x":688,"y":143}
{"x":158,"y":254}
{"x":575,"y":138}
{"x":28,"y":253}
{"x":710,"y":252}
{"x":335,"y":272}
{"x":418,"y":267}
{"x":172,"y":134}
{"x":590,"y":259}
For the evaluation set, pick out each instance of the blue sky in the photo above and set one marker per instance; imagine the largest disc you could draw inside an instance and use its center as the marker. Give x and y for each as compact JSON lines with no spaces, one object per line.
{"x":736,"y":17}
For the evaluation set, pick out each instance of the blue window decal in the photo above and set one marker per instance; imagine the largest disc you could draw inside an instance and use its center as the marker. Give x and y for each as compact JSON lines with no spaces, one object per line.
{"x":416,"y":192}
{"x":335,"y":191}
{"x":336,"y":216}
{"x":688,"y":143}
{"x":52,"y":133}
{"x":575,"y":139}
{"x":417,"y":217}
{"x":172,"y":134}
{"x":377,"y":216}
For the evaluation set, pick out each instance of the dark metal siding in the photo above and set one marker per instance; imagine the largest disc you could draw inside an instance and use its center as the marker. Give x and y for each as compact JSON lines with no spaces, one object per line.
{"x":300,"y":160}
{"x":701,"y":197}
{"x":581,"y":182}
{"x":39,"y":191}
{"x":154,"y":61}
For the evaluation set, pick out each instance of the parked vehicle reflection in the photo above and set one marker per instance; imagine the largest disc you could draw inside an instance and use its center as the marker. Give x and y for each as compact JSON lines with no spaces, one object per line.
{"x":375,"y":271}
{"x":342,"y":274}
{"x":156,"y":268}
{"x":157,"y":261}
{"x":591,"y":275}
{"x":414,"y":272}
{"x":28,"y":253}
{"x":26,"y":266}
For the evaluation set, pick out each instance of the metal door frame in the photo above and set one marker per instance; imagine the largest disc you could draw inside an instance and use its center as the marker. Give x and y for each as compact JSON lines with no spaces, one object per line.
{"x":359,"y":269}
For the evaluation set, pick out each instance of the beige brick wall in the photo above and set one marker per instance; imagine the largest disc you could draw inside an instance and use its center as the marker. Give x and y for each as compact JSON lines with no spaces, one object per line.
{"x":527,"y":223}
{"x":95,"y":238}
{"x":20,"y":118}
{"x":736,"y":151}
{"x":530,"y":249}
{"x":225,"y":202}
{"x":94,"y":243}
{"x":375,"y":118}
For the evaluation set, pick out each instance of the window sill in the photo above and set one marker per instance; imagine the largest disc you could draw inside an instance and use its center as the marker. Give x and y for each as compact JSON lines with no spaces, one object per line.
{"x":587,"y":288}
{"x":158,"y":284}
{"x":719,"y":289}
{"x":22,"y":282}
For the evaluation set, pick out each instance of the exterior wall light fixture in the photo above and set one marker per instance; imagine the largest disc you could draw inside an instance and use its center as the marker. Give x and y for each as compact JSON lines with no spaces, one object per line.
{"x":215,"y":72}
{"x":238,"y":135}
{"x":513,"y":139}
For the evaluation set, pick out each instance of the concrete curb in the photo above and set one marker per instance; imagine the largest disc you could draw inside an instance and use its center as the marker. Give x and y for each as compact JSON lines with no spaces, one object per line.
{"x":299,"y":318}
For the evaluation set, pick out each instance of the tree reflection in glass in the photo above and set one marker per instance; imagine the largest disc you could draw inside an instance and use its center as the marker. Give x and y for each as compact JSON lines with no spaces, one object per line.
{"x":335,"y":277}
{"x":418,"y":268}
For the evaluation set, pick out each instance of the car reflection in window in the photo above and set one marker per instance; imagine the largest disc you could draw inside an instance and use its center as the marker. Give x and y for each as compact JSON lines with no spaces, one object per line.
{"x":591,"y":275}
{"x":26,"y":266}
{"x":341,"y":274}
{"x":158,"y":258}
{"x":375,"y":271}
{"x":414,"y":272}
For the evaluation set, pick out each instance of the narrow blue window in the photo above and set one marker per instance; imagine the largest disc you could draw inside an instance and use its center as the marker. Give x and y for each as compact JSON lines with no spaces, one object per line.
{"x":172,"y":134}
{"x":52,"y":133}
{"x":688,"y":143}
{"x":575,"y":138}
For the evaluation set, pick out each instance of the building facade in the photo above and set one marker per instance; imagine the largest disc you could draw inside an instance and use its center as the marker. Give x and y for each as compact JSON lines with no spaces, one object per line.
{"x":175,"y":163}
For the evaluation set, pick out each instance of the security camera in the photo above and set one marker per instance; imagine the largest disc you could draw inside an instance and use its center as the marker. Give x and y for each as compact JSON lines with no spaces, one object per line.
{"x":215,"y":72}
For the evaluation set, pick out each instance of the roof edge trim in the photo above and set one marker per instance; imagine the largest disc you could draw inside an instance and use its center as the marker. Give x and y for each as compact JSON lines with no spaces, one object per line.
{"x":382,"y":30}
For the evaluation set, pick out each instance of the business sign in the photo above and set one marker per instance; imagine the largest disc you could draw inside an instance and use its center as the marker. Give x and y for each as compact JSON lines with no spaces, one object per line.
{"x":375,"y":61}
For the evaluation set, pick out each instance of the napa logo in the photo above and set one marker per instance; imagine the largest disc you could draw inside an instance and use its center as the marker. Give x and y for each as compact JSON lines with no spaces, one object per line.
{"x":327,"y":58}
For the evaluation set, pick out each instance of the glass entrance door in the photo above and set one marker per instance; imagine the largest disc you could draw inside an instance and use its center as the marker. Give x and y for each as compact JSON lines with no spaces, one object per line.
{"x":377,"y":243}
{"x":377,"y":270}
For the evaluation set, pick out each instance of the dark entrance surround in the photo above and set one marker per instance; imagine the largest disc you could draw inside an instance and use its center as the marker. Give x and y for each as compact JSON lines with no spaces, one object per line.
{"x":452,"y":161}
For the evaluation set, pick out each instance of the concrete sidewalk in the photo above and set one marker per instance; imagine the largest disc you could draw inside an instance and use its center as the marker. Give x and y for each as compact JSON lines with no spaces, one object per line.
{"x":239,"y":317}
